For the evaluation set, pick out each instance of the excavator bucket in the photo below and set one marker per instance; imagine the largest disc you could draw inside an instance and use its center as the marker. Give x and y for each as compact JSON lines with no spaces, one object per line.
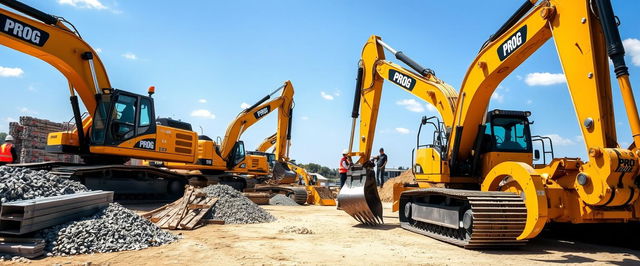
{"x":321,"y":196}
{"x":359,"y":196}
{"x":282,"y":174}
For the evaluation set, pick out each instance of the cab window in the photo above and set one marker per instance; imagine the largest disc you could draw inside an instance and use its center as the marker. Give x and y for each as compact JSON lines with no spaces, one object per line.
{"x":239,"y":153}
{"x":145,"y":116}
{"x":124,"y":117}
{"x":510,"y":134}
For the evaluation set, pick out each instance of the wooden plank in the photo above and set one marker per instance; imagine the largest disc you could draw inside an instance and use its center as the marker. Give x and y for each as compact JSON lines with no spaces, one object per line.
{"x":188,"y":197}
{"x":201,"y":214}
{"x":212,"y":221}
{"x":151,"y":213}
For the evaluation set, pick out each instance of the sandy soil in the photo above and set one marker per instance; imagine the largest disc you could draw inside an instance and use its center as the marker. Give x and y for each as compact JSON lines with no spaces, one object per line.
{"x":338,"y":239}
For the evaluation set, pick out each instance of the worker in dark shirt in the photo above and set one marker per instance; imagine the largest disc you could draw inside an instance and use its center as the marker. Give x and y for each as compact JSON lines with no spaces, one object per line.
{"x":8,"y":151}
{"x":381,"y":163}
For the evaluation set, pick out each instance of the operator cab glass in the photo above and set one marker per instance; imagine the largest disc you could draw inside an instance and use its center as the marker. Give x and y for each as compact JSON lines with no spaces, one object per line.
{"x":238,"y":154}
{"x":507,"y":131}
{"x":121,"y":116}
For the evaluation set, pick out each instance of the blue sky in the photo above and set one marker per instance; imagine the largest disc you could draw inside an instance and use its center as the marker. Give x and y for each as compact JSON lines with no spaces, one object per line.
{"x":207,"y":58}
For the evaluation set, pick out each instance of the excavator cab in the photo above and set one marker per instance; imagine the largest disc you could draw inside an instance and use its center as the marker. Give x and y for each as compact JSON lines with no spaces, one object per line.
{"x":121,"y":116}
{"x":505,"y":136}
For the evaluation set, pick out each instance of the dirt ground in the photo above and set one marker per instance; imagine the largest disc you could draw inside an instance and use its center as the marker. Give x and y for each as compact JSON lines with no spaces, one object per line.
{"x":338,"y":239}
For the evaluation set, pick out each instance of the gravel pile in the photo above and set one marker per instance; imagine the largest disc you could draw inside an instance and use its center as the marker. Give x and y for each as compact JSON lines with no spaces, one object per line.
{"x":296,"y":230}
{"x":112,"y":229}
{"x":234,"y":208}
{"x":282,"y":200}
{"x":22,"y":183}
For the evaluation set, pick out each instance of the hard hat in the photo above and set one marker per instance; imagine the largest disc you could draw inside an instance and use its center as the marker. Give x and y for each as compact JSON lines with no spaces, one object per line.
{"x":8,"y":138}
{"x":345,"y":151}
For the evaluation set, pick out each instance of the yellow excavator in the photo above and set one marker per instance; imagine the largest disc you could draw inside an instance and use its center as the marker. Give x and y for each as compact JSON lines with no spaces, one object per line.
{"x":316,"y":194}
{"x":477,"y":185}
{"x":227,"y":162}
{"x":119,"y":125}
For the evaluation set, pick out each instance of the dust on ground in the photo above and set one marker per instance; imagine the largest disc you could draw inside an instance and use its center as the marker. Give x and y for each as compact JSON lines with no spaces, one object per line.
{"x":339,"y":239}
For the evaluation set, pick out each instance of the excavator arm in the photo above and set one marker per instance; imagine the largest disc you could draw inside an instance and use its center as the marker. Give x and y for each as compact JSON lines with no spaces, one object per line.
{"x":253,"y":114}
{"x":47,"y":38}
{"x":373,"y":69}
{"x":267,"y":143}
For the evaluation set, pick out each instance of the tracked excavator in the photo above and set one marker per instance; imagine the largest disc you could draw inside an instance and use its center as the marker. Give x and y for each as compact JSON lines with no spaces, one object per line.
{"x":227,"y":162}
{"x":119,"y":125}
{"x":477,"y":186}
{"x":316,"y":194}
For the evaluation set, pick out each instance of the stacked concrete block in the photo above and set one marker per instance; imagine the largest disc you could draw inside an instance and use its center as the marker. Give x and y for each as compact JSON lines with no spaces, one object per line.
{"x":30,"y":136}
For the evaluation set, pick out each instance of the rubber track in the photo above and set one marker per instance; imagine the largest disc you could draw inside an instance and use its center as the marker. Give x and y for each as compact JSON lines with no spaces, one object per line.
{"x":498,"y":219}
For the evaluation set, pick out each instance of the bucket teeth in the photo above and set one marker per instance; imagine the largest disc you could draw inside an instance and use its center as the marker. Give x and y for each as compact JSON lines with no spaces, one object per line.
{"x":359,"y":196}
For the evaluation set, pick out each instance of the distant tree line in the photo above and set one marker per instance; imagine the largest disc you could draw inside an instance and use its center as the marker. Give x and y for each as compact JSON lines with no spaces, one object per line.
{"x":323,"y":170}
{"x":3,"y":135}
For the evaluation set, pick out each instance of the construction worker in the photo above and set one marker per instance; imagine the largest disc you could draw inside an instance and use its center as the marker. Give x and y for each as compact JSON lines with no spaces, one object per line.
{"x":7,"y":151}
{"x":382,"y":163}
{"x":345,"y":162}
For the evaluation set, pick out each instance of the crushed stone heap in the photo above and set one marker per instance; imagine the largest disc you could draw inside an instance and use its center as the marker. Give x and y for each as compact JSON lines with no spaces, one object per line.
{"x":112,"y":229}
{"x":234,"y":208}
{"x":21,"y":184}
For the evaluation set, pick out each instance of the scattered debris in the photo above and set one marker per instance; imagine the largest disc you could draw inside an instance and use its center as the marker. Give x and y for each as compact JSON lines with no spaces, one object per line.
{"x":112,"y":229}
{"x":296,"y":230}
{"x":234,"y":208}
{"x":282,"y":200}
{"x":21,"y":183}
{"x":185,"y":213}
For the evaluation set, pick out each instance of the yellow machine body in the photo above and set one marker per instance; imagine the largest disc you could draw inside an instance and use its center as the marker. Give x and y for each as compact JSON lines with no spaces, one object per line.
{"x":603,"y":188}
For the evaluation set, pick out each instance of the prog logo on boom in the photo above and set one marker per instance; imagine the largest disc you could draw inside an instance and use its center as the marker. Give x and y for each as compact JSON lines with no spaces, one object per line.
{"x":23,"y":31}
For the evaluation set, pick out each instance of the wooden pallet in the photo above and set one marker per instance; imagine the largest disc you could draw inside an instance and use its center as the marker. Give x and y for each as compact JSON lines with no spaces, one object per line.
{"x":185,"y":213}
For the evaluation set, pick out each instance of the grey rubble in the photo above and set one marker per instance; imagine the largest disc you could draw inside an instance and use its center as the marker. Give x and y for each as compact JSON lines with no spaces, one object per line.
{"x":282,"y":200}
{"x":112,"y":229}
{"x":234,"y":208}
{"x":21,"y":183}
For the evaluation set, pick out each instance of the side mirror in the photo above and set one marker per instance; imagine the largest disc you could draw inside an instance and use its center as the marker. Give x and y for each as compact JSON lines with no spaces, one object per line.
{"x":536,"y":155}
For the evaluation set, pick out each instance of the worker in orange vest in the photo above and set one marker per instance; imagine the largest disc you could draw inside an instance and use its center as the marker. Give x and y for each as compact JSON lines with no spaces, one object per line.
{"x":7,"y":151}
{"x":345,"y":162}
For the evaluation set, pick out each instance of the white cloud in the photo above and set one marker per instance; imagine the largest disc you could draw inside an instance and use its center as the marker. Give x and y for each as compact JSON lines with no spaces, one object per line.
{"x":32,"y":88}
{"x":10,"y":72}
{"x":544,"y":79}
{"x":529,"y":102}
{"x":403,"y":130}
{"x":560,"y":141}
{"x":203,"y":113}
{"x":632,"y":48}
{"x":411,"y":105}
{"x":337,"y":93}
{"x":99,"y":50}
{"x":519,"y":77}
{"x":326,"y":96}
{"x":304,"y":118}
{"x":28,"y":111}
{"x":202,"y":101}
{"x":10,"y":119}
{"x":498,"y":97}
{"x":244,"y":105}
{"x":130,"y":56}
{"x":431,"y":108}
{"x":89,"y":4}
